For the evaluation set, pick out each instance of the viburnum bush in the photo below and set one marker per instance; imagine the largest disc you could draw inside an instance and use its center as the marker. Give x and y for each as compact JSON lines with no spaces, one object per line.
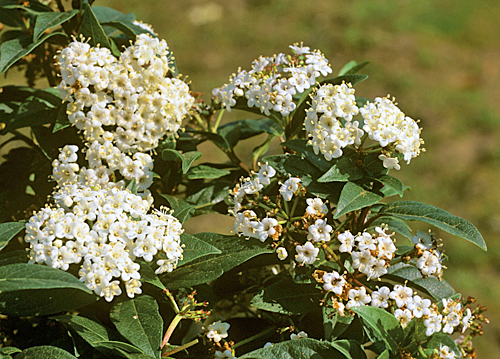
{"x":321,"y":262}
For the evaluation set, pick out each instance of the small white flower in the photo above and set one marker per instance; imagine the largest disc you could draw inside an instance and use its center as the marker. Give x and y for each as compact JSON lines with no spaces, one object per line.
{"x":358,"y":298}
{"x":306,"y":254}
{"x":380,"y":297}
{"x":217,"y":331}
{"x":282,"y":253}
{"x":315,"y":206}
{"x":334,"y":282}
{"x":299,"y":335}
{"x":289,"y":187}
{"x":404,"y":316}
{"x":390,"y":163}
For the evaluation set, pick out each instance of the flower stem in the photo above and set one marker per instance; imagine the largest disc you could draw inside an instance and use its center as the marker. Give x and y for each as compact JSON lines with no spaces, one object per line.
{"x":171,"y":329}
{"x":256,"y":336}
{"x":217,"y":122}
{"x":178,"y":349}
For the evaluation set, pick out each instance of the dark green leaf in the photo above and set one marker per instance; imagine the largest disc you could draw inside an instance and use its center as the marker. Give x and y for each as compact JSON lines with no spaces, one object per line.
{"x":44,"y":352}
{"x":361,"y":102}
{"x":61,"y":119}
{"x":48,"y":20}
{"x":334,"y":323}
{"x":235,"y":251}
{"x":438,"y":339}
{"x":306,"y":151}
{"x":438,"y":289}
{"x":195,"y":248}
{"x":113,"y":347}
{"x":304,"y":348}
{"x":14,"y":257}
{"x":31,"y":289}
{"x":169,"y":154}
{"x":13,"y":50}
{"x":89,"y":330}
{"x":91,"y":29}
{"x":128,"y":29}
{"x":107,"y":14}
{"x":384,"y":325}
{"x":148,"y":275}
{"x":182,"y":209}
{"x":391,"y":182}
{"x":32,"y":112}
{"x":206,"y":172}
{"x":9,"y":350}
{"x":343,"y":170}
{"x":287,"y":297}
{"x":217,"y":139}
{"x":139,"y":321}
{"x":373,"y":165}
{"x":417,"y":211}
{"x":188,"y":158}
{"x":350,"y":348}
{"x":8,"y":231}
{"x":354,"y":197}
{"x":265,"y":125}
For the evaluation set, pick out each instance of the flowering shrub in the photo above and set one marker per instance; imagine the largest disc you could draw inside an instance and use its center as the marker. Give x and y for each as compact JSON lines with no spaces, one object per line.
{"x":319,"y":263}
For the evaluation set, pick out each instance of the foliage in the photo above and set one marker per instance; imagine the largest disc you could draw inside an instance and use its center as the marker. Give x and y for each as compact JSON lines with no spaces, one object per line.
{"x":310,"y":240}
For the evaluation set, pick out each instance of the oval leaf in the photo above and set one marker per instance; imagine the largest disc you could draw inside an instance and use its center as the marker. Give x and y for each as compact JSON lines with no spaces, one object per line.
{"x":90,"y":331}
{"x":139,"y":321}
{"x":44,"y":352}
{"x":305,"y":348}
{"x":8,"y":231}
{"x":384,"y":325}
{"x":195,"y":248}
{"x":48,"y":20}
{"x":417,"y":211}
{"x":32,"y":289}
{"x":354,"y":197}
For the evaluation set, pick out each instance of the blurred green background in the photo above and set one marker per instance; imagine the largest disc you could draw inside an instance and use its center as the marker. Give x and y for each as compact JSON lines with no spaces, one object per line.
{"x":439,"y":58}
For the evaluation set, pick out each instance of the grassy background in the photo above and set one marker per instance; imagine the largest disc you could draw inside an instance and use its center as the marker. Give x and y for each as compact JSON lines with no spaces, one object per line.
{"x":439,"y":58}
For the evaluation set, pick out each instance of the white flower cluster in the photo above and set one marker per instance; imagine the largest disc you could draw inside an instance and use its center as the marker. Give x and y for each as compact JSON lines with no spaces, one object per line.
{"x":105,"y":231}
{"x":429,"y":262}
{"x":124,"y":105}
{"x":104,"y":161}
{"x":401,"y":298}
{"x":330,"y":127}
{"x":328,"y":135}
{"x":387,"y":124}
{"x":370,"y":254}
{"x":272,"y":81}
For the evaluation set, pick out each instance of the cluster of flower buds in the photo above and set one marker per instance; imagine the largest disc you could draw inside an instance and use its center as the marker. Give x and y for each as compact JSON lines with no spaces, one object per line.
{"x":104,"y":231}
{"x":273,"y":81}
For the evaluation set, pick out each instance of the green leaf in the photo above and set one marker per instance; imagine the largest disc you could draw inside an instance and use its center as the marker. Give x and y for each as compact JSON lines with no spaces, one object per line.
{"x":391,"y":182}
{"x":344,"y":170}
{"x":9,"y":350}
{"x":13,"y":50}
{"x":107,"y":14}
{"x":438,"y":339}
{"x":438,"y":289}
{"x":265,"y":125}
{"x":62,"y":119}
{"x":188,"y":158}
{"x":13,"y":257}
{"x":352,"y":79}
{"x":139,"y":321}
{"x":91,"y":29}
{"x":170,"y":154}
{"x":287,"y":297}
{"x":352,"y":67}
{"x":350,"y":348}
{"x":384,"y":355}
{"x":32,"y":289}
{"x":48,"y":20}
{"x":206,"y":172}
{"x":373,"y":165}
{"x":354,"y":197}
{"x":384,"y":325}
{"x":305,"y":348}
{"x":235,"y":251}
{"x":182,"y":209}
{"x":32,"y":112}
{"x":306,"y":151}
{"x":195,"y":248}
{"x":128,"y":29}
{"x":417,"y":211}
{"x":113,"y":347}
{"x":8,"y":231}
{"x":148,"y":275}
{"x":334,"y":323}
{"x":217,"y":139}
{"x":89,"y":330}
{"x":44,"y":352}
